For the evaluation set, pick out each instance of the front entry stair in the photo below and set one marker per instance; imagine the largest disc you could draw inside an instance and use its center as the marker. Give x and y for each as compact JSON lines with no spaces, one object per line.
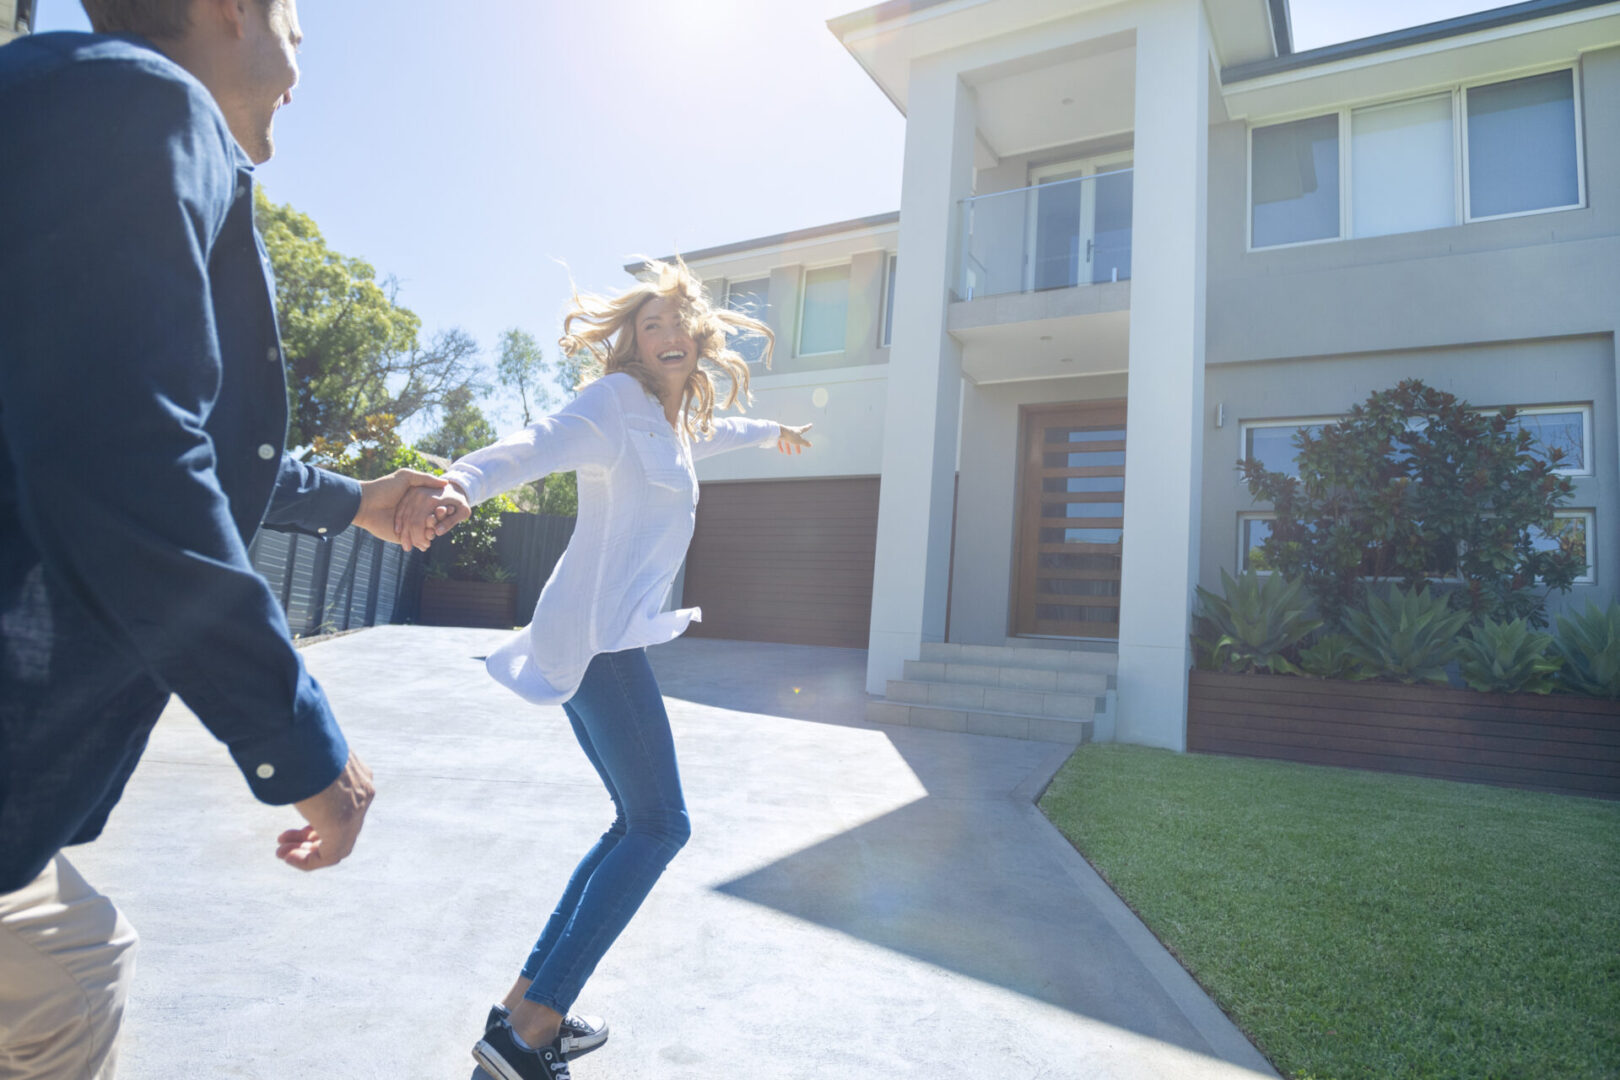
{"x":1020,"y":692}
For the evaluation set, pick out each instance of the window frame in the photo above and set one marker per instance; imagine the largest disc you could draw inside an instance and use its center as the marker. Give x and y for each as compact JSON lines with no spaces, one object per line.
{"x":1590,"y":514}
{"x":1243,"y":518}
{"x":1344,"y":162}
{"x":804,"y":296}
{"x":1580,"y":142}
{"x":1584,"y":408}
{"x":1460,"y":163}
{"x":1245,"y":426}
{"x":762,"y":316}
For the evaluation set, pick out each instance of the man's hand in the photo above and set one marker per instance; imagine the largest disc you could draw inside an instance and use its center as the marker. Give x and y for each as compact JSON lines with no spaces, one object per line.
{"x":423,"y":514}
{"x":335,"y":816}
{"x":791,"y":440}
{"x":381,"y":497}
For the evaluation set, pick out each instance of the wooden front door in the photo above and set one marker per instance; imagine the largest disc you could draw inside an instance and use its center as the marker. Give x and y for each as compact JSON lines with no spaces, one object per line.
{"x":1071,"y":520}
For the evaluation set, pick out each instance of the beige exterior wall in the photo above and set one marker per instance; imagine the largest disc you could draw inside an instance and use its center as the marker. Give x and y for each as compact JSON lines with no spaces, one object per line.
{"x":8,"y":20}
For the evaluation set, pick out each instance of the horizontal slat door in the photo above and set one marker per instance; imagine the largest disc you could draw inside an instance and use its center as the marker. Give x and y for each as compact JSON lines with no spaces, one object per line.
{"x":788,"y":561}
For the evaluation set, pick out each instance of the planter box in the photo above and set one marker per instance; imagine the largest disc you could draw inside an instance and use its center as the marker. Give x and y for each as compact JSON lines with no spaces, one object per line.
{"x":446,"y":602}
{"x":1546,"y":742}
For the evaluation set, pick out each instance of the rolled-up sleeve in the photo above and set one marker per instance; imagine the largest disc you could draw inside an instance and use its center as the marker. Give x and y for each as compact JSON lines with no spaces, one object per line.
{"x":109,"y":364}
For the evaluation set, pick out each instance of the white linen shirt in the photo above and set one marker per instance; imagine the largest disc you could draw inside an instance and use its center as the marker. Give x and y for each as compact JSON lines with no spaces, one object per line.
{"x":638,"y":498}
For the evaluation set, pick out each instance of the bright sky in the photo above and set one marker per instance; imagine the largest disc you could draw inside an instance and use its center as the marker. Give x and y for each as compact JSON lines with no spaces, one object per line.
{"x":465,"y":148}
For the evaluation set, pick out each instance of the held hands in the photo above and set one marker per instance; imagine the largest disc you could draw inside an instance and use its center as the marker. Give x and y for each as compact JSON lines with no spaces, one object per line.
{"x":381,"y":498}
{"x":424,"y":513}
{"x":334,"y":815}
{"x":791,"y":440}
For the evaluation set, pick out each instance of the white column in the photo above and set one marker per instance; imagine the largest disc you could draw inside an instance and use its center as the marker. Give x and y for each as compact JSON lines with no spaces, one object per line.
{"x":1163,"y":434}
{"x":910,"y":575}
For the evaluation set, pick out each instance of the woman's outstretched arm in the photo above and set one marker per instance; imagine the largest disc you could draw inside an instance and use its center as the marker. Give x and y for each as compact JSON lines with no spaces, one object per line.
{"x":586,"y":433}
{"x":736,"y":432}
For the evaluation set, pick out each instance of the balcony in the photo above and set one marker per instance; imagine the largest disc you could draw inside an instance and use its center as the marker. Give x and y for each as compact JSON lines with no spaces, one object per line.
{"x":1058,"y":234}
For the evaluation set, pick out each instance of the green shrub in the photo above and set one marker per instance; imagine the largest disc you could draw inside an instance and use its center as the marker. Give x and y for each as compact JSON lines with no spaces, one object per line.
{"x":1330,"y":658}
{"x":1251,"y":628}
{"x":1589,"y":645}
{"x":1409,"y":636}
{"x":472,"y":543}
{"x":1508,"y":658}
{"x":1416,"y":486}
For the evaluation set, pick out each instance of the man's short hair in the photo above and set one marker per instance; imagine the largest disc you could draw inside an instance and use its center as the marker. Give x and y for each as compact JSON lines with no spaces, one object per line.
{"x":149,"y":18}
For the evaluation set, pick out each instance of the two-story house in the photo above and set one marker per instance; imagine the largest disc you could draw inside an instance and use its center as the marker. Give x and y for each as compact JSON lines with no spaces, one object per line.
{"x":1137,"y":241}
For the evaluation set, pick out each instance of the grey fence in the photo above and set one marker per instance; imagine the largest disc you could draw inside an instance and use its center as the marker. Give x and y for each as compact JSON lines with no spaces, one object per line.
{"x":529,"y":545}
{"x":357,"y":580}
{"x":352,"y":580}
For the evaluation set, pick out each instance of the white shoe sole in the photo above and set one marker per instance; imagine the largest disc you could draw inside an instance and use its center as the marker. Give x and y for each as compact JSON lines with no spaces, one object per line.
{"x":492,"y":1062}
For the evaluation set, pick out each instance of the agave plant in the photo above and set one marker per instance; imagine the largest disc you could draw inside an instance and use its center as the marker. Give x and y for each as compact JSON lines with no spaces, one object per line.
{"x":1589,"y":645}
{"x":1509,"y":658}
{"x":1261,"y":617}
{"x":1330,"y":658}
{"x":1408,"y":636}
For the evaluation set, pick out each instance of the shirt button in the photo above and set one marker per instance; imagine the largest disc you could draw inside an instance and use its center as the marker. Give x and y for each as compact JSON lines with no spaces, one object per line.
{"x":273,"y":353}
{"x":242,"y":189}
{"x":265,"y":771}
{"x":267,"y":451}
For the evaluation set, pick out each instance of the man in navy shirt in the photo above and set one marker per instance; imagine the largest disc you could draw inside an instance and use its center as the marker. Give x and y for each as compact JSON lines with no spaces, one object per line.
{"x":142,"y":419}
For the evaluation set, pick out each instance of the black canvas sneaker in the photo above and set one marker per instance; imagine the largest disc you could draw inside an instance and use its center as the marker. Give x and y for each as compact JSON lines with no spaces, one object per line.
{"x":580,"y":1034}
{"x":500,"y":1055}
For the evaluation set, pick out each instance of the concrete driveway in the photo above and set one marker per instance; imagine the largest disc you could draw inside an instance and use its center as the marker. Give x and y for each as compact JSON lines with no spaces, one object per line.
{"x":856,"y":901}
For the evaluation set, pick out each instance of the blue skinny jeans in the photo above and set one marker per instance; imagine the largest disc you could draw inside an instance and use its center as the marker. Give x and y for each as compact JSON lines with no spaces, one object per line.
{"x":619,"y":719}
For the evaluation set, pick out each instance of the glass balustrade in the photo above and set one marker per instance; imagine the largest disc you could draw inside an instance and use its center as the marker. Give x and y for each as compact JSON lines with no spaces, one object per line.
{"x":1052,"y":235}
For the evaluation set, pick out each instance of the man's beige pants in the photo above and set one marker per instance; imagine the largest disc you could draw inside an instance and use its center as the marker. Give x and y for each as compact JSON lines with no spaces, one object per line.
{"x":66,"y":960}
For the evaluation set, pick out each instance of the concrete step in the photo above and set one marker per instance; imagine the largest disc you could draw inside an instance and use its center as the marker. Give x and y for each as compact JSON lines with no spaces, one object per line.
{"x":996,"y":699}
{"x":1105,"y":663}
{"x":981,"y":722}
{"x":1047,"y":680}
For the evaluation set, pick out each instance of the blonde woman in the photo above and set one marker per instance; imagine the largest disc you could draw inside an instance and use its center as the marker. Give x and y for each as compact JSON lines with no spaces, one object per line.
{"x":632,"y":435}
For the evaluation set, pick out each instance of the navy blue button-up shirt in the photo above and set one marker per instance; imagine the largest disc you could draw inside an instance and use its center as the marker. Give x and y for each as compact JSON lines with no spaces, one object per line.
{"x":143,"y":414}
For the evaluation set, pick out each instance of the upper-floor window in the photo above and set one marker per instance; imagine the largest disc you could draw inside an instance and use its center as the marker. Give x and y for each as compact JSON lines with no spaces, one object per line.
{"x":750,"y":298}
{"x":888,"y":302}
{"x":824,"y":310}
{"x":1473,"y":152}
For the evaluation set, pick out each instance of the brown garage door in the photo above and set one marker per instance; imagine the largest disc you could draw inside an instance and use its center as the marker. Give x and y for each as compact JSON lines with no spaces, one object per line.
{"x":784,"y":560}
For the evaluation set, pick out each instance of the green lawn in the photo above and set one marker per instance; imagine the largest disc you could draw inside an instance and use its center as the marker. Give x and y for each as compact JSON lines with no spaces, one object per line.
{"x":1358,"y":925}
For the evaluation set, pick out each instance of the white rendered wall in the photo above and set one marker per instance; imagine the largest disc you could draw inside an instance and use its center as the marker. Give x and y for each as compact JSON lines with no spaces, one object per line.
{"x":911,"y":571}
{"x":1164,"y":447}
{"x":846,"y":407}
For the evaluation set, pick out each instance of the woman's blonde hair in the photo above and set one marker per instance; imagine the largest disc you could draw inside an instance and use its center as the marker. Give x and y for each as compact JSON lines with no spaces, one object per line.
{"x":607,"y":333}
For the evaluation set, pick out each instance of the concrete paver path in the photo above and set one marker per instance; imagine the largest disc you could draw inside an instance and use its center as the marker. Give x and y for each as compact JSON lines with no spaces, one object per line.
{"x":856,"y":901}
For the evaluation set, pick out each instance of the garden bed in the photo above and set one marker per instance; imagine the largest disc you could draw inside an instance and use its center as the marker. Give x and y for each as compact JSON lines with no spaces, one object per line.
{"x":449,"y":602}
{"x":1545,"y":742}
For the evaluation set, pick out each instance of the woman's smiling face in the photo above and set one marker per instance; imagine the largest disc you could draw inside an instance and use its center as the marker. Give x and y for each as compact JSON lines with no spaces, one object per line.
{"x":663,"y":346}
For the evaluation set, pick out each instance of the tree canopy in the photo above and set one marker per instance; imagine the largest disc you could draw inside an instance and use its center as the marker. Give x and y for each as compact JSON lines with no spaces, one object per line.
{"x":353,"y":351}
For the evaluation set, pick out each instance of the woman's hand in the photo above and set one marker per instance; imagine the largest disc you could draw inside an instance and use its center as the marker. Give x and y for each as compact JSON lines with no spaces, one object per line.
{"x":424,"y":514}
{"x":791,"y":440}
